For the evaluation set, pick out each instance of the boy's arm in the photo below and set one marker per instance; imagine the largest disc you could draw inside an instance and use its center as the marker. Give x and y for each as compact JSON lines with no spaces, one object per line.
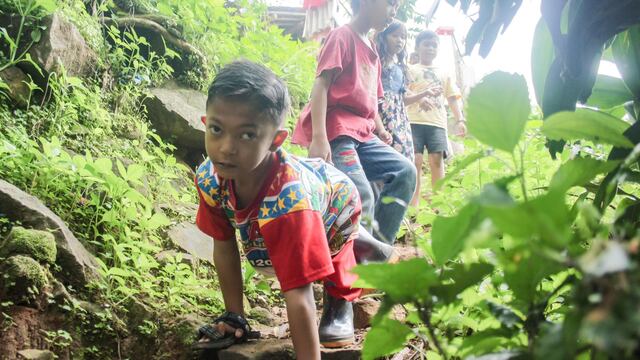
{"x":456,"y":109}
{"x":301,"y":311}
{"x":226,"y":258}
{"x":319,"y":147}
{"x":383,"y":134}
{"x":412,"y":98}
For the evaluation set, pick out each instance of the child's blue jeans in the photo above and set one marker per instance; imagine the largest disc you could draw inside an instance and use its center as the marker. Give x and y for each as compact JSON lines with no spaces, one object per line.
{"x":375,"y":161}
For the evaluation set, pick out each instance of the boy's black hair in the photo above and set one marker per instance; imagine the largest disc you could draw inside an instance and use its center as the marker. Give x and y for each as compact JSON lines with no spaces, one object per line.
{"x":383,"y":52}
{"x":249,"y":82}
{"x":426,"y":35}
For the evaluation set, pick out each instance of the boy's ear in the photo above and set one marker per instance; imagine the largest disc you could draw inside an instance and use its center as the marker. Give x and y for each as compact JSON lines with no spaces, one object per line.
{"x":278,"y":140}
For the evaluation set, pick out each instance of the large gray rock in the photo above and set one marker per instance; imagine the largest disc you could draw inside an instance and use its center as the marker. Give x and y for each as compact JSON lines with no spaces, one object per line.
{"x":18,"y":89}
{"x":62,"y":45}
{"x":188,"y":237}
{"x":175,"y":113}
{"x":77,"y":264}
{"x":35,"y":354}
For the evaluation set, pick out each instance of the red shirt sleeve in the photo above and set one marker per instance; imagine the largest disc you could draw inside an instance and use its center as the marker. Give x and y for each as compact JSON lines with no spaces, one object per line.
{"x":298,"y":248}
{"x":335,"y":53}
{"x":213,"y":221}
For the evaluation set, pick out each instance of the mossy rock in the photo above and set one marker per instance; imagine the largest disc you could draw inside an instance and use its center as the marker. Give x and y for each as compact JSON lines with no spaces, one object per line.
{"x":21,"y":279}
{"x":37,"y":244}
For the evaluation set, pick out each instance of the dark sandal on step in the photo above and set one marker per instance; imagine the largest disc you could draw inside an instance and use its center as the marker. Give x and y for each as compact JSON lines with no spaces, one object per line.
{"x":219,"y":340}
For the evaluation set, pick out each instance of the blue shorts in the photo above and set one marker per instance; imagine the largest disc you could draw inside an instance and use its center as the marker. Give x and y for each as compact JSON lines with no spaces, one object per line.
{"x":431,"y":137}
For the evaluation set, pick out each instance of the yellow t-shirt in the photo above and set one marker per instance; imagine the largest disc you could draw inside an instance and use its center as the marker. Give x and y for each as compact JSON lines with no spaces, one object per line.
{"x":423,"y":77}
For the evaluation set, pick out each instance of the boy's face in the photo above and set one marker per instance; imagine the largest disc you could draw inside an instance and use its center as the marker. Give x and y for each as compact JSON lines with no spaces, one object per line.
{"x":382,"y":12}
{"x":428,"y":49}
{"x":238,"y":140}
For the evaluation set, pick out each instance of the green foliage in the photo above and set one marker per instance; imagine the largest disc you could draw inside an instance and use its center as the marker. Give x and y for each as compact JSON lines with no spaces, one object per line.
{"x":626,"y":53}
{"x":84,"y":146}
{"x":526,"y":276}
{"x":589,"y":125}
{"x":29,"y":13}
{"x":225,"y":32}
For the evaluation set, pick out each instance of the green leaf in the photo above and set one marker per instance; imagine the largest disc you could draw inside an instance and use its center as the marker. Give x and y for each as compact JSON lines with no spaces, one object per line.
{"x":36,"y":34}
{"x":485,"y":341}
{"x":542,"y":55}
{"x":135,"y":172}
{"x":158,"y":220}
{"x":608,"y":92}
{"x":547,"y":218}
{"x":506,"y":316}
{"x":579,"y":172}
{"x":463,"y":276}
{"x":626,"y":52}
{"x":523,"y":275}
{"x":385,"y":338}
{"x":402,"y":282}
{"x":587,"y":124}
{"x":449,"y":233}
{"x":48,"y":5}
{"x":497,"y":110}
{"x":103,"y":165}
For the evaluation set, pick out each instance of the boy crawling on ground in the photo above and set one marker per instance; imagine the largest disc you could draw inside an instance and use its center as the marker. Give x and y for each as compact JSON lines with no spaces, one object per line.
{"x":297,"y":218}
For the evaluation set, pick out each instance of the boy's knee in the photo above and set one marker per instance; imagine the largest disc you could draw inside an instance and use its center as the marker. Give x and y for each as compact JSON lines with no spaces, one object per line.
{"x":409,"y":173}
{"x":367,"y":197}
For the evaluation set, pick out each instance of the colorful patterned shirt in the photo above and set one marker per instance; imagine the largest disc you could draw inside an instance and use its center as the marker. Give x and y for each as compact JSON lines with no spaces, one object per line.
{"x":304,"y":214}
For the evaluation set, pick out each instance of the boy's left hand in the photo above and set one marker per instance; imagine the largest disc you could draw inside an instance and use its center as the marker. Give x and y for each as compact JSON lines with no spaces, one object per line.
{"x":461,"y":129}
{"x":385,"y":136}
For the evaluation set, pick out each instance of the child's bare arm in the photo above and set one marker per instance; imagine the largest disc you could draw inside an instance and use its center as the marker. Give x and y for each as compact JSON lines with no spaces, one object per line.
{"x":456,"y":108}
{"x":412,"y":98}
{"x":226,"y":258}
{"x":383,"y":134}
{"x":301,"y":311}
{"x":319,"y":146}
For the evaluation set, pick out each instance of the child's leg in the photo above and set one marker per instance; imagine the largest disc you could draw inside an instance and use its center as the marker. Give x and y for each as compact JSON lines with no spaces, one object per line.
{"x":418,"y":135}
{"x":345,"y":158}
{"x":437,"y":146}
{"x":369,"y":250}
{"x":436,"y":164}
{"x":419,"y":158}
{"x":382,"y":163}
{"x":336,"y":324}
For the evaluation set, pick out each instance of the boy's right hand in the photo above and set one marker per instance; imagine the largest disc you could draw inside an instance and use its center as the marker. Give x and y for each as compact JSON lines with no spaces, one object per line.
{"x":225,"y":328}
{"x":320,"y":148}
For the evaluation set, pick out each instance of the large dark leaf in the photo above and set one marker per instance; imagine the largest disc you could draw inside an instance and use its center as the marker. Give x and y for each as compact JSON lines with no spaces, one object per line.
{"x":586,"y":124}
{"x":626,"y":52}
{"x":609,"y":92}
{"x":578,"y":172}
{"x":542,"y":55}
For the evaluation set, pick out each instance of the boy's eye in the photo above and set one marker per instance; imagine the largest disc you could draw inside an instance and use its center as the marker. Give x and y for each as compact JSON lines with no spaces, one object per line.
{"x":248,"y":136}
{"x":215,"y":130}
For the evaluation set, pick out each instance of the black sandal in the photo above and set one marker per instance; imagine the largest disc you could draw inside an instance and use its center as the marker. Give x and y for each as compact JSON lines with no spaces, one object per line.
{"x":219,"y":340}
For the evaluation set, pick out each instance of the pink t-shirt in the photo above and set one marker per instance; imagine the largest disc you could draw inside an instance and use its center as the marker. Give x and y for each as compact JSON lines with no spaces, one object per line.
{"x":352,"y":99}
